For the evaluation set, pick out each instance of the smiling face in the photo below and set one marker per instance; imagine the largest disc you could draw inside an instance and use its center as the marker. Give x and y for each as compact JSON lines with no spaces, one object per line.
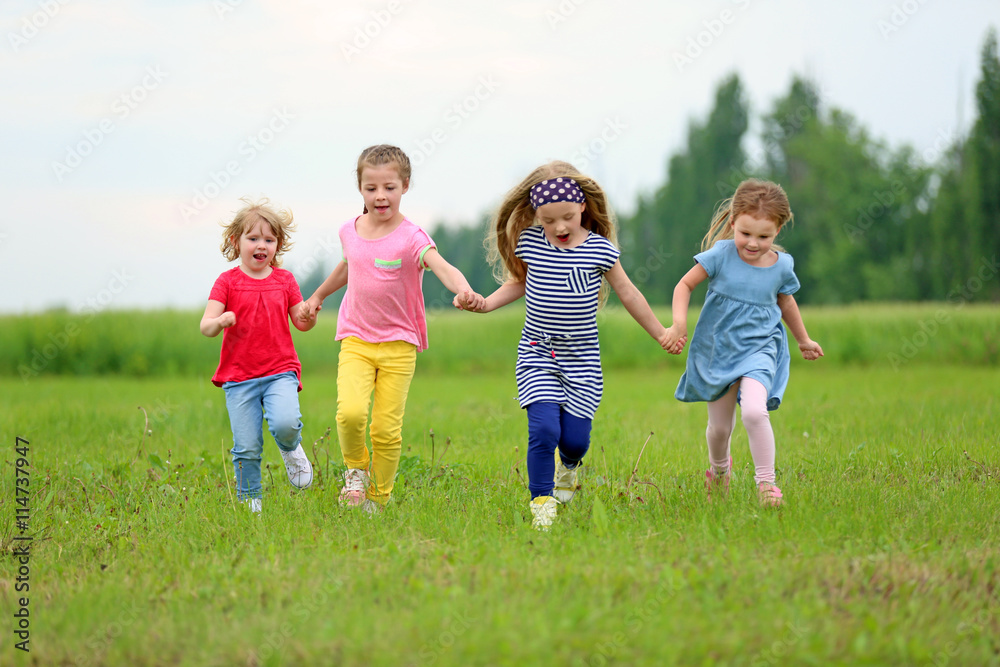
{"x":754,"y":237}
{"x":258,"y":246}
{"x":562,"y":223}
{"x":383,"y":188}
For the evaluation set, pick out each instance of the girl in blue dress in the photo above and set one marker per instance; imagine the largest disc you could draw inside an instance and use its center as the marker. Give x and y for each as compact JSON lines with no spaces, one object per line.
{"x":739,"y":352}
{"x":554,"y":243}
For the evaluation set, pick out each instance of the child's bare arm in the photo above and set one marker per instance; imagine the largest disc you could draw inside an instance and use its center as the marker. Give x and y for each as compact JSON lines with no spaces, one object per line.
{"x":681,"y":302}
{"x":510,"y":291}
{"x":636,"y":305}
{"x":307,"y":309}
{"x":809,"y":348}
{"x":216,"y":318}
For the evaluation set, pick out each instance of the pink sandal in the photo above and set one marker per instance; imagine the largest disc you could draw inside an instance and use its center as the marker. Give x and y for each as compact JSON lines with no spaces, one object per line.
{"x":769,"y":494}
{"x":715,"y":480}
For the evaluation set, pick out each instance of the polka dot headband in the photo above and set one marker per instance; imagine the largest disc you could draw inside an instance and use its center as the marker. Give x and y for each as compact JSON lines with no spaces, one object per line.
{"x":556,"y":190}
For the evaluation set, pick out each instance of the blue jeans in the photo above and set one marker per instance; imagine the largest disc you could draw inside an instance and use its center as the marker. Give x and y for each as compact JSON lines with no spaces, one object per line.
{"x":277,"y":396}
{"x":549,"y":427}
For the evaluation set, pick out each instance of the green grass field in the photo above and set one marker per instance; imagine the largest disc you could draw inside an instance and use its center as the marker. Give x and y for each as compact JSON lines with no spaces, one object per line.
{"x":886,"y":552}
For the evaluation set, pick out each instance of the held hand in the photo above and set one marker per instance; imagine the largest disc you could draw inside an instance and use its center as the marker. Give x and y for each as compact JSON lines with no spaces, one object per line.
{"x":674,"y":339}
{"x":810,"y":349}
{"x":227,"y":319}
{"x":308,"y":309}
{"x":468,"y":300}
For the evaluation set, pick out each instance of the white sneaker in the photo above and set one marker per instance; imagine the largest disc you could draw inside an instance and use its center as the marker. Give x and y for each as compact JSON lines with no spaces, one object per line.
{"x":300,"y":472}
{"x":355,"y":485}
{"x":543,"y":512}
{"x":254,"y":504}
{"x":565,"y":482}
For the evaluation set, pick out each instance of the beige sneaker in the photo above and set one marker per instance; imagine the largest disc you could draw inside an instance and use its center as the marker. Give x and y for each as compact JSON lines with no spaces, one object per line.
{"x":565,"y":482}
{"x":355,"y":485}
{"x":543,"y":512}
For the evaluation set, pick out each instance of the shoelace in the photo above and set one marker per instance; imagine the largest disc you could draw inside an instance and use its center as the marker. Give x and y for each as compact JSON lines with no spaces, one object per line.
{"x":354,"y":482}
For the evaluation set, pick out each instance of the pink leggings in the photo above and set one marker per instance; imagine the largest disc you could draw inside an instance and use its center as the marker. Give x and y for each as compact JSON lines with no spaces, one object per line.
{"x":757,"y":422}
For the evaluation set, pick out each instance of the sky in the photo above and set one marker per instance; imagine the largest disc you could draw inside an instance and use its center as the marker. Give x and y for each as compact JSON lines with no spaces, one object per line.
{"x":130,"y":130}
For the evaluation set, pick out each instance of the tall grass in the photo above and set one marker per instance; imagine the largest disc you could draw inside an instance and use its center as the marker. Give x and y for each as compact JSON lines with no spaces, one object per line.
{"x":168,"y":343}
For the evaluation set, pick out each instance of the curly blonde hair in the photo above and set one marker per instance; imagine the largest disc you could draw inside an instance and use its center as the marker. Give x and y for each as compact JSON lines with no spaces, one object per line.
{"x":247,"y":218}
{"x":763,"y":200}
{"x":517,"y":214}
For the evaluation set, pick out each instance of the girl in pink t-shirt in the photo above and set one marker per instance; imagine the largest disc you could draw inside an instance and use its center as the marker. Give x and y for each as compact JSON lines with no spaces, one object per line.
{"x":258,"y":368}
{"x":381,"y":324}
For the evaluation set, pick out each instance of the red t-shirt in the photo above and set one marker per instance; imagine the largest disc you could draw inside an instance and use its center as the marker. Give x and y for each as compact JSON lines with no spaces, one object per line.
{"x":260,"y":343}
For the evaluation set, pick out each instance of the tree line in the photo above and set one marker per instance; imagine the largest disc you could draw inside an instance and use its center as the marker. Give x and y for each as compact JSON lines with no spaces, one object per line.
{"x":872,"y":222}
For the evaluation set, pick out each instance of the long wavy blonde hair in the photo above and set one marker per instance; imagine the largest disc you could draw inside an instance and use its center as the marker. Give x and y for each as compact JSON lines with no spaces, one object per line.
{"x":763,"y":200}
{"x":517,"y":214}
{"x":247,"y":218}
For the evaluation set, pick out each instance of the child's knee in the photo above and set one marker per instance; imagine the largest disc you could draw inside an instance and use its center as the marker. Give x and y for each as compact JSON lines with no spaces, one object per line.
{"x":755,"y":416}
{"x":352,"y":416}
{"x":286,"y":432}
{"x":718,"y":431}
{"x":544,"y":435}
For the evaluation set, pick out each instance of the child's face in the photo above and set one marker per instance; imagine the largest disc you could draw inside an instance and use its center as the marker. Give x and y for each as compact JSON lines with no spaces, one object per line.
{"x":754,"y":237}
{"x":257,"y":248}
{"x":562,"y":223}
{"x":383,"y":189}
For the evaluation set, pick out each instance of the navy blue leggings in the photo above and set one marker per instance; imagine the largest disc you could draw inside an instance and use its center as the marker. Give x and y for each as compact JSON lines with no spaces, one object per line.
{"x":549,"y":427}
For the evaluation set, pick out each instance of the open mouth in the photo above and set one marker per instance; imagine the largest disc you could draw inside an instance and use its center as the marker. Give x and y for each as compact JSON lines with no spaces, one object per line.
{"x":381,"y":209}
{"x":260,"y":256}
{"x":562,"y":237}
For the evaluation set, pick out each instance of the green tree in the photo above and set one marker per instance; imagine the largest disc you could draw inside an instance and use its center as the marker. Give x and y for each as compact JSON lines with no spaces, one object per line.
{"x":965,"y":219}
{"x":665,"y":232}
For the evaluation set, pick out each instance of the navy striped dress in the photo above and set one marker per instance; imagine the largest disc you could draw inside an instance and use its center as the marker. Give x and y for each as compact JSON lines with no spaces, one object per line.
{"x":559,"y":356}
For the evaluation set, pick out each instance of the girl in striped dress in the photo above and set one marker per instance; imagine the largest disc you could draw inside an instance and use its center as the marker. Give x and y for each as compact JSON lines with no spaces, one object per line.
{"x":555,"y":244}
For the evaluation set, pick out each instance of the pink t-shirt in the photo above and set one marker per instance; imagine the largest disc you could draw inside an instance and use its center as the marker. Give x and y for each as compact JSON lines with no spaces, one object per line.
{"x":260,"y":343}
{"x":384,"y":300}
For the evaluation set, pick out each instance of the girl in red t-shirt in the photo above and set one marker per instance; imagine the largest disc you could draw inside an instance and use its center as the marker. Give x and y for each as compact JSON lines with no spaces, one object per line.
{"x":258,"y":368}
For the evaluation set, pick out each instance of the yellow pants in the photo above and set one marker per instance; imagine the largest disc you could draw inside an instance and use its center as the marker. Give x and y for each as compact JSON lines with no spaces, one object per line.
{"x":387,"y":368}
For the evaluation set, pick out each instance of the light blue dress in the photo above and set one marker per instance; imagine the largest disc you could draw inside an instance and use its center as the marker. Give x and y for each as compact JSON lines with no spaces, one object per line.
{"x":739,"y":332}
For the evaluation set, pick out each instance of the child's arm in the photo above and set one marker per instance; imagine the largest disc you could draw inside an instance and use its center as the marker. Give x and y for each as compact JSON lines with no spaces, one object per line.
{"x":510,"y":291}
{"x":637,"y":306}
{"x":216,"y":318}
{"x":452,"y":278}
{"x":308,"y":308}
{"x":677,"y":333}
{"x":299,"y":315}
{"x":809,"y":348}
